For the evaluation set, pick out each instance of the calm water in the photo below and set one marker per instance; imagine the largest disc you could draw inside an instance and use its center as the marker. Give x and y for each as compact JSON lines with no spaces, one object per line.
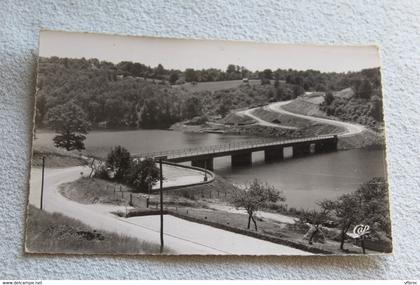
{"x":304,"y":181}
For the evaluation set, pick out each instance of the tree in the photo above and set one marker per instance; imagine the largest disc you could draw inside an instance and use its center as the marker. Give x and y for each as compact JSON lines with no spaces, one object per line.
{"x":190,"y":75}
{"x":96,"y":167}
{"x":329,"y":97}
{"x":281,"y":94}
{"x":71,"y":124}
{"x":254,"y":197}
{"x":317,"y":219}
{"x":346,"y":209}
{"x":231,"y":68}
{"x":160,"y":70}
{"x":225,"y":106}
{"x":365,"y":90}
{"x":297,"y":91}
{"x":374,"y":205}
{"x":368,"y":205}
{"x":118,"y":161}
{"x":192,"y":108}
{"x":266,"y":76}
{"x":150,"y":113}
{"x":276,"y":76}
{"x":143,"y":174}
{"x":115,"y":111}
{"x":173,"y":78}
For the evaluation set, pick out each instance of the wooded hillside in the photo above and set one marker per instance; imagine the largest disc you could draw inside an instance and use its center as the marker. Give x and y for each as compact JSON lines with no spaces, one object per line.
{"x":133,"y":95}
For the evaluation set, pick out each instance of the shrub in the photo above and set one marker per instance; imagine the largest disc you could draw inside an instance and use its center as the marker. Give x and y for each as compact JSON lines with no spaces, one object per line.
{"x":118,"y":161}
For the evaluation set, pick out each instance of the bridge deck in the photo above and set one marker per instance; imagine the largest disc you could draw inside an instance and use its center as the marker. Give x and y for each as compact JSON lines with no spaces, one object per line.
{"x":182,"y":155}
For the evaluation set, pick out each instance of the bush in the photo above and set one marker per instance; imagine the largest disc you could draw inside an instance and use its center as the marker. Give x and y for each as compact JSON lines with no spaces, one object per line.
{"x":118,"y":161}
{"x":143,"y":174}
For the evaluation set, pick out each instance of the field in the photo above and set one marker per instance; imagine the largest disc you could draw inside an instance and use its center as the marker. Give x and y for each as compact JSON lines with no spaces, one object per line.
{"x":216,"y":85}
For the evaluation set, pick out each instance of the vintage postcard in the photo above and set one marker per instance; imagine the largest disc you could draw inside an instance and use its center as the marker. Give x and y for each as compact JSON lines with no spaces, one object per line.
{"x":169,"y":146}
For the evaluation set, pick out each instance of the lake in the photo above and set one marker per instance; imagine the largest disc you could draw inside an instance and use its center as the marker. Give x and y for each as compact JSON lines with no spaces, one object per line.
{"x":304,"y":181}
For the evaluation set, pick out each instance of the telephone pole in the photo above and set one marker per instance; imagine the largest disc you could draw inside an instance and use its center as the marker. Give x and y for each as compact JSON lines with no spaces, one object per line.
{"x":160,"y":159}
{"x":161,"y":205}
{"x":42,"y":183}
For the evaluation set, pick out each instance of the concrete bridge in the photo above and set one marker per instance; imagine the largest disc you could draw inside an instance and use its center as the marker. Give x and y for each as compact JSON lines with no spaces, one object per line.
{"x":241,"y":153}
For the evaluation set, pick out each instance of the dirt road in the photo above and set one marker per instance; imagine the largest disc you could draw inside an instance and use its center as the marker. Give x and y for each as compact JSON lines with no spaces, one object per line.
{"x":350,"y":128}
{"x":261,"y":122}
{"x":180,"y":236}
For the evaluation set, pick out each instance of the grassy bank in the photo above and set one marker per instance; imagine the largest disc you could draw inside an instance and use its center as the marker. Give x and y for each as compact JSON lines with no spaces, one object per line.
{"x":270,"y":230}
{"x":56,"y":159}
{"x":281,"y":119}
{"x":234,"y":119}
{"x":207,"y":204}
{"x":56,"y":233}
{"x":94,"y":190}
{"x":368,"y":139}
{"x":304,"y":106}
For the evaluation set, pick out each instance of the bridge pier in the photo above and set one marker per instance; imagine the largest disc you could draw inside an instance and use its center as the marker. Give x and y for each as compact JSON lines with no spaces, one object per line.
{"x":243,"y":159}
{"x":203,"y":163}
{"x":301,"y":149}
{"x":275,"y":154}
{"x":326,"y":146}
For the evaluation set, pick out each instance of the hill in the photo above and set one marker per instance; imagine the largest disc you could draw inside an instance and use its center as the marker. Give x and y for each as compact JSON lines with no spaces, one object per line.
{"x":132,"y":95}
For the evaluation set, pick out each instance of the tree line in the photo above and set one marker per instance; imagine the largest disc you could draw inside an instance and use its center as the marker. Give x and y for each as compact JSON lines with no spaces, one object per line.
{"x":127,"y":95}
{"x":364,"y":106}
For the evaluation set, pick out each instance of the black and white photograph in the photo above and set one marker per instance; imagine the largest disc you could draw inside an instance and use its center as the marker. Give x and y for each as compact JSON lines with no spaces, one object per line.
{"x":149,"y":146}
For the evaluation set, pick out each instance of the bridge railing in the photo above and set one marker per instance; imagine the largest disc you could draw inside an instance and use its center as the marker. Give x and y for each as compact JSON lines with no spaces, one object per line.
{"x":171,"y":154}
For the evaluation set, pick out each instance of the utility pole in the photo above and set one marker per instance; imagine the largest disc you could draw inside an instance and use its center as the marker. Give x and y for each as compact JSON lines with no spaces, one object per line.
{"x":42,"y":182}
{"x":161,"y":206}
{"x":160,"y":159}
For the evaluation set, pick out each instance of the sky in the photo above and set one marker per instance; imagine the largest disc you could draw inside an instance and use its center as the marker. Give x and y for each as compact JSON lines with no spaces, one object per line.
{"x":199,"y":54}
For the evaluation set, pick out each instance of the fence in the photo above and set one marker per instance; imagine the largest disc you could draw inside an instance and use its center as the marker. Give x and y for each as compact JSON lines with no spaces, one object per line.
{"x":173,"y":154}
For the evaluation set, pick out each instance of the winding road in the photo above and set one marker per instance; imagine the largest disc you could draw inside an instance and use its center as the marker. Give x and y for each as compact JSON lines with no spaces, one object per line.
{"x":249,"y":113}
{"x":181,"y":236}
{"x":350,"y":128}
